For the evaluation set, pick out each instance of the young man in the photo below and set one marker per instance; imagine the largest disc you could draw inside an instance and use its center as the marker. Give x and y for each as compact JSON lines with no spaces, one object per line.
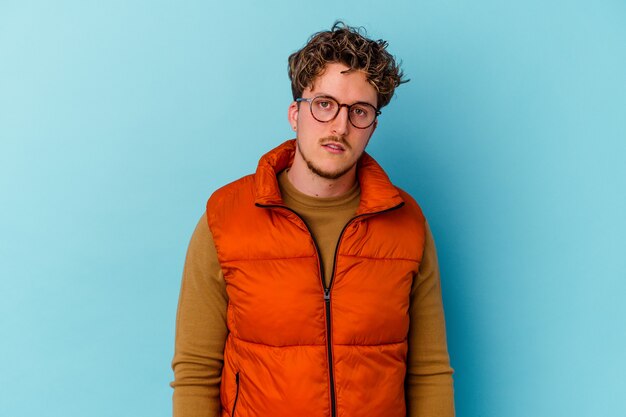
{"x":311,"y":287}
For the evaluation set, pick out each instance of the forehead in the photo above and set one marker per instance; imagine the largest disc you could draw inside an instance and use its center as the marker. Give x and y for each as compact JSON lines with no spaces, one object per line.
{"x":338,"y":81}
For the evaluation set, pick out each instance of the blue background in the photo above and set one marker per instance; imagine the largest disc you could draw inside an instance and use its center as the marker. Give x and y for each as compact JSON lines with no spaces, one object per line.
{"x":118,"y":119}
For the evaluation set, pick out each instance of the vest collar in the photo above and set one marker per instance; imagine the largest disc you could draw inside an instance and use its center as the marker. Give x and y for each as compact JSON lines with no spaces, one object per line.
{"x":377,"y":191}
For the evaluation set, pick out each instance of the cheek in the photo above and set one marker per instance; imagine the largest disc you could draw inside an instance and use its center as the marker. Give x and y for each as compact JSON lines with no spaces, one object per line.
{"x":308,"y":128}
{"x":364,"y":140}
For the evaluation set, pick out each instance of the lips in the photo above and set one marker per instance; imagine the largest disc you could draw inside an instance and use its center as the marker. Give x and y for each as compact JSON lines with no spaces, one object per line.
{"x":333,"y":146}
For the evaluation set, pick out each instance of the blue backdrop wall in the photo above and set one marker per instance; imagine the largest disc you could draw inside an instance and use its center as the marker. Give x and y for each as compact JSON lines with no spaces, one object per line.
{"x":118,"y":119}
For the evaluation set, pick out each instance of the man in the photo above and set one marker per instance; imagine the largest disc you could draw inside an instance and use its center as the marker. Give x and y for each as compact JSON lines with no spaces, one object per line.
{"x":311,"y":287}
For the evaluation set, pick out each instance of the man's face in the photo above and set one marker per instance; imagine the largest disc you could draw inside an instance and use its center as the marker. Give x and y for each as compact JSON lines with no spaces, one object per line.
{"x":332,"y":149}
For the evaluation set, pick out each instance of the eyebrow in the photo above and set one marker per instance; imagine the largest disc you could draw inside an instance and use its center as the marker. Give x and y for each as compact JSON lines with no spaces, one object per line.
{"x":321,"y":94}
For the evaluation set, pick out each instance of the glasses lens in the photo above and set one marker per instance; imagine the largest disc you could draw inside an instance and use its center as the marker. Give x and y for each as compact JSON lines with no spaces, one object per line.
{"x":362,"y":115}
{"x":324,"y":109}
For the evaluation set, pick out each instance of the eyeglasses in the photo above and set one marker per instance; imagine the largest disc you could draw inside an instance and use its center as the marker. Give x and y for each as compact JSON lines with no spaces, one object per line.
{"x":324,"y":109}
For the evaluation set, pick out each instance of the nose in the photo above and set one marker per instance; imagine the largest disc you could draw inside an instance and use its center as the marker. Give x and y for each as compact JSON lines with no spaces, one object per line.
{"x":340,"y":124}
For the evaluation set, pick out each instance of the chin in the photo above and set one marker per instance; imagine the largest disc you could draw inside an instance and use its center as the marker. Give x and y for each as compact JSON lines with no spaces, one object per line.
{"x":329,"y":173}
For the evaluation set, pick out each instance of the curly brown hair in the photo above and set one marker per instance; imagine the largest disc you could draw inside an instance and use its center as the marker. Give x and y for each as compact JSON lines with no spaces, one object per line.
{"x":349,"y":46}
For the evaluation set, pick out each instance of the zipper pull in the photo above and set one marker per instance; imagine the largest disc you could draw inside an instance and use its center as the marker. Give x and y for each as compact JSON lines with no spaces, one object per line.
{"x":327,"y":294}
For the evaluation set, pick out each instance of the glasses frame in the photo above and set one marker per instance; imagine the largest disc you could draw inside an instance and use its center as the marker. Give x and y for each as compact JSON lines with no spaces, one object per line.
{"x":340,"y":105}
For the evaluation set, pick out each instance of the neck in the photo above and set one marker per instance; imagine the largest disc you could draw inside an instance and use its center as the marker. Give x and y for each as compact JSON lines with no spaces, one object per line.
{"x":313,"y":185}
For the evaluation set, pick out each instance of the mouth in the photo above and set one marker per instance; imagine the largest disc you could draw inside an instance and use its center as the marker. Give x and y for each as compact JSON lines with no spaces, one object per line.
{"x":334,"y":147}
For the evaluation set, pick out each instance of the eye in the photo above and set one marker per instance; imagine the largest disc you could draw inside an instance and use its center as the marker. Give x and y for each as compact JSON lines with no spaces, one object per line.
{"x":325,"y":104}
{"x":360,"y":111}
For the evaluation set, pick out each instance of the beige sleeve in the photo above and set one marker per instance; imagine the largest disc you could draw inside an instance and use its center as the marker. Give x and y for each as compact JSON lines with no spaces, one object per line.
{"x":429,"y":385}
{"x":200,"y":330}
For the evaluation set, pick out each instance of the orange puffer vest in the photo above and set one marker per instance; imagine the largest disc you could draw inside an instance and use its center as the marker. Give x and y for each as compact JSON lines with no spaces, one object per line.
{"x":295,"y":347}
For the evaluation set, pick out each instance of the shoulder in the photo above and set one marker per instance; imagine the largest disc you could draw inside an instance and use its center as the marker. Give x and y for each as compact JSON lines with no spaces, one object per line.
{"x":226,"y":201}
{"x":411,"y":205}
{"x":414,"y":222}
{"x":230,"y":195}
{"x":232,"y":189}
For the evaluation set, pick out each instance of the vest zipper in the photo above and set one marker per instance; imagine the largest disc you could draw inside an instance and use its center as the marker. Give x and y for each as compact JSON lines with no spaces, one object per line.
{"x":329,"y":350}
{"x":329,"y":346}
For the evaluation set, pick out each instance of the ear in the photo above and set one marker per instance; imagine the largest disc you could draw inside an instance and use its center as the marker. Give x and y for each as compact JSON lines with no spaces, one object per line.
{"x":292,"y":115}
